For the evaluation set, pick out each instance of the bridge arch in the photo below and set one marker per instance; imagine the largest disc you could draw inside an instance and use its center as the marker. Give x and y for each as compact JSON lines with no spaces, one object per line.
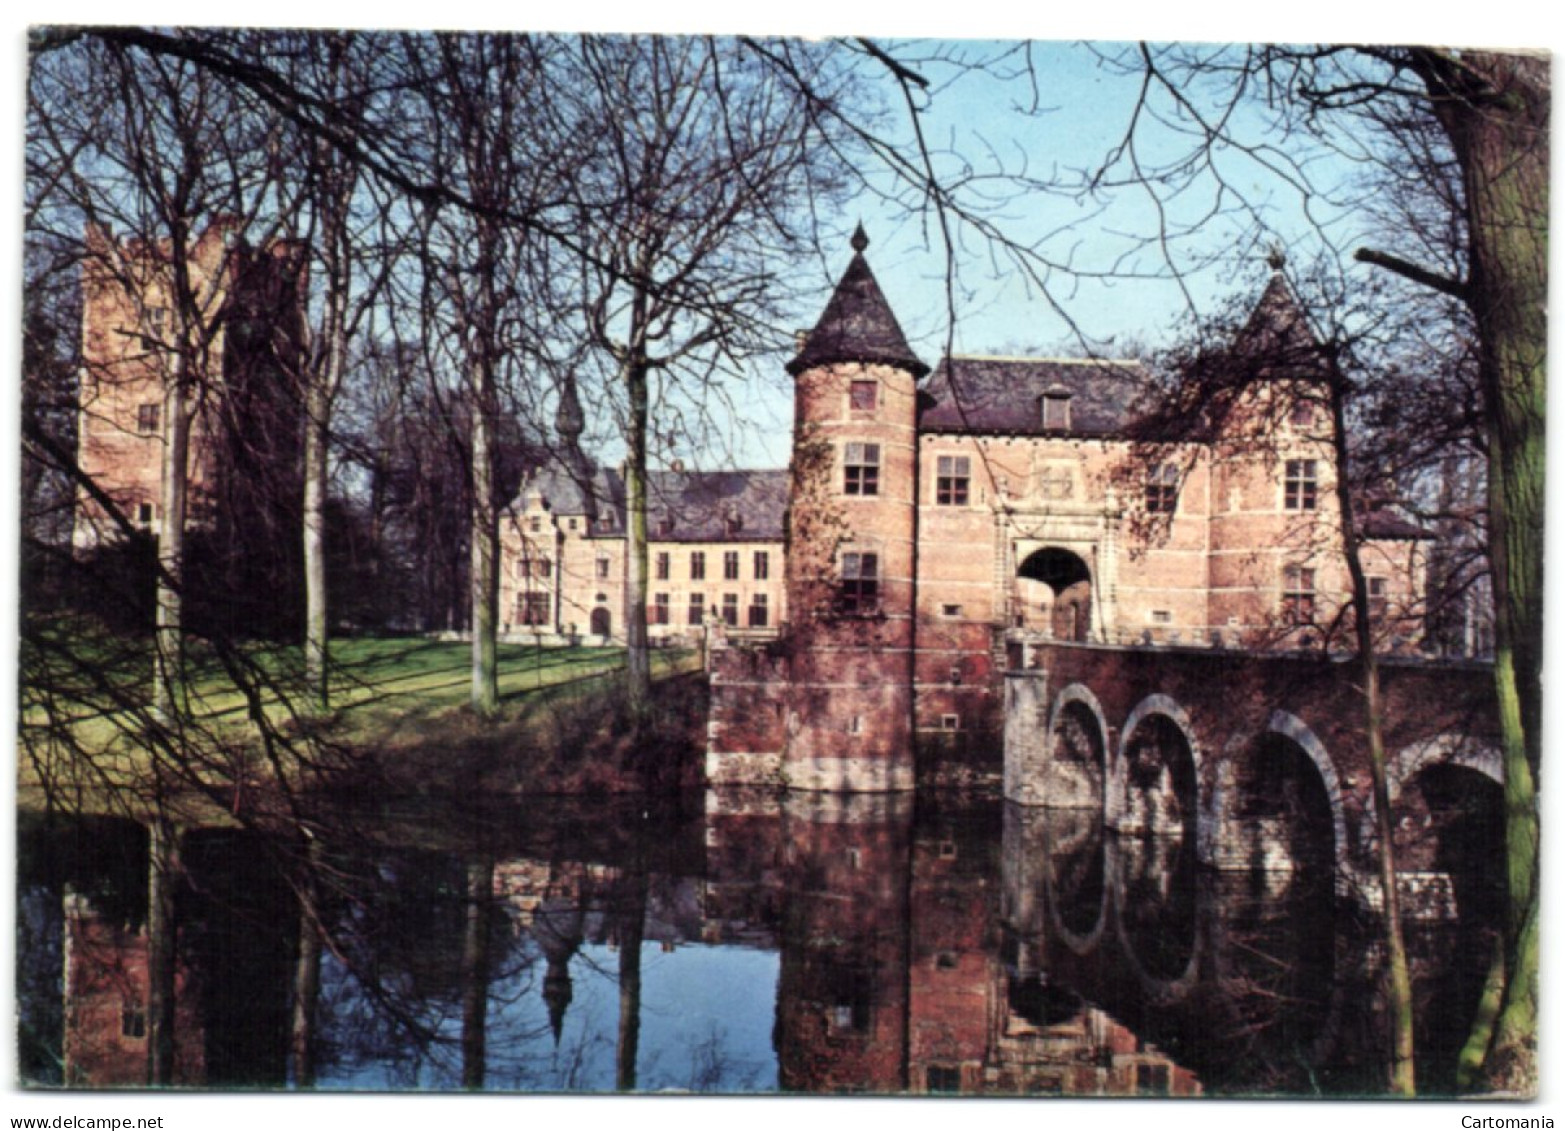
{"x":1448,"y":810}
{"x":1157,"y":918}
{"x":1158,"y":757}
{"x":1273,"y":816}
{"x":1448,"y":749}
{"x":1078,"y":878}
{"x":1295,"y":729}
{"x":1076,"y":767}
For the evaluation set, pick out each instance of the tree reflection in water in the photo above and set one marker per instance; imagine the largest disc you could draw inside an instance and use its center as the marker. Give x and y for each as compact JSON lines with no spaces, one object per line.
{"x":732,"y":942}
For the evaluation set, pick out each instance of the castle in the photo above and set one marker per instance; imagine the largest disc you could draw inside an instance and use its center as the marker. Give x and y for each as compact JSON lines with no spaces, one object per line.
{"x":941,"y":525}
{"x":932,"y":529}
{"x":228,"y":327}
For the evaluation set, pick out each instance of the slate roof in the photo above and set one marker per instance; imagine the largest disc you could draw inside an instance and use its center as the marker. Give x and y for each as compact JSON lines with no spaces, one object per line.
{"x":1004,"y":395}
{"x":1278,"y":332}
{"x":683,"y":506}
{"x":857,"y":324}
{"x":1382,"y":523}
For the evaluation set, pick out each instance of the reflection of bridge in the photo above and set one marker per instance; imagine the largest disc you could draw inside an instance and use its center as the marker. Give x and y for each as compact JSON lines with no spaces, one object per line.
{"x":1257,"y":763}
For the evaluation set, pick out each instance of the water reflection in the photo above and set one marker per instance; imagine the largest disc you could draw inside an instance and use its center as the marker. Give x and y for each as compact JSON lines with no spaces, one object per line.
{"x":730,"y":943}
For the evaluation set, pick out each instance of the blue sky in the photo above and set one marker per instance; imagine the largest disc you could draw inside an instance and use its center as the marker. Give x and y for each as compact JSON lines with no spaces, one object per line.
{"x":1098,"y":280}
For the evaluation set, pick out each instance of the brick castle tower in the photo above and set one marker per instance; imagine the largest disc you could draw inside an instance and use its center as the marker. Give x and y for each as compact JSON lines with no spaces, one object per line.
{"x":852,"y":528}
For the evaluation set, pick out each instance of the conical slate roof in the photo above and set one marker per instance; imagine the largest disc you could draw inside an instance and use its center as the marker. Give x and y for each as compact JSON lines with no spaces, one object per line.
{"x":858,"y":324}
{"x":1279,"y":331}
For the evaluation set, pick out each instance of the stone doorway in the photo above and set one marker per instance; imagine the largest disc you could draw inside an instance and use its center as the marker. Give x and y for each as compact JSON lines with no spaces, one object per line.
{"x":1054,"y":590}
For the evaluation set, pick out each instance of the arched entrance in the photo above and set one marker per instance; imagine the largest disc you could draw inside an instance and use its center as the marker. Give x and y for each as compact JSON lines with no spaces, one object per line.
{"x":1054,"y":587}
{"x":602,"y":622}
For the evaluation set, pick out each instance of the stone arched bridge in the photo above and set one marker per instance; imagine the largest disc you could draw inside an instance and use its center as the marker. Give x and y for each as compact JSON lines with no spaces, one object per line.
{"x":1261,"y":762}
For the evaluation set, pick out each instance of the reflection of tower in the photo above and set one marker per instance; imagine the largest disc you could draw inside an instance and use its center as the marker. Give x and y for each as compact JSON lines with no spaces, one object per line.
{"x":843,"y":984}
{"x":951,"y":964}
{"x":850,"y":562}
{"x":557,"y":927}
{"x":106,"y":985}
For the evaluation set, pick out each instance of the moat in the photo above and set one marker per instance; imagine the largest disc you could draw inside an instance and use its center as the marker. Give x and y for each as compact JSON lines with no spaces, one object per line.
{"x":736,"y":942}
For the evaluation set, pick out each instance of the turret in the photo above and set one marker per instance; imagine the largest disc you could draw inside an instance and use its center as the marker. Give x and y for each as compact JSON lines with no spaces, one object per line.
{"x":852,"y":527}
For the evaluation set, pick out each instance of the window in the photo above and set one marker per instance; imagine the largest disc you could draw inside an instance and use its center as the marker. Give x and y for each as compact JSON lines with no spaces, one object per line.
{"x":133,"y":1023}
{"x":731,"y":610}
{"x":758,"y":610}
{"x":532,"y":608}
{"x":1162,"y":489}
{"x":148,"y":417}
{"x":657,"y":612}
{"x":666,"y":525}
{"x":951,"y":479}
{"x":1301,"y":414}
{"x":1152,"y":1079}
{"x":144,"y":513}
{"x":603,"y":567}
{"x":733,"y":522}
{"x":763,"y":565}
{"x":861,"y":396}
{"x":570,"y":524}
{"x":942,"y":1078}
{"x":950,"y":722}
{"x":1161,"y":616}
{"x":697,"y":616}
{"x":697,"y":565}
{"x":1057,"y":409}
{"x":1298,"y":595}
{"x":860,"y":583}
{"x":535,"y":524}
{"x":1298,"y":492}
{"x":861,"y":469}
{"x":731,"y":565}
{"x":524,"y":568}
{"x":661,"y":565}
{"x":950,"y":610}
{"x":1378,"y":598}
{"x":606,"y":524}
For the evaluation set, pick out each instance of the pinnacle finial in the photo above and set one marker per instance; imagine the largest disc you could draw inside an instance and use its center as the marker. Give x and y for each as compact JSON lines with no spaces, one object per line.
{"x":1277,"y":259}
{"x":859,"y":241}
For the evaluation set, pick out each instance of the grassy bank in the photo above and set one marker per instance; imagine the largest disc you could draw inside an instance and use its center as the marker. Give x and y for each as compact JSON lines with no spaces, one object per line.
{"x":399,"y":707}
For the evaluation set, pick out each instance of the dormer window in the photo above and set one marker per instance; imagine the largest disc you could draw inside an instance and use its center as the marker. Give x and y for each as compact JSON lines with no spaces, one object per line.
{"x":861,"y":396}
{"x":1056,"y":402}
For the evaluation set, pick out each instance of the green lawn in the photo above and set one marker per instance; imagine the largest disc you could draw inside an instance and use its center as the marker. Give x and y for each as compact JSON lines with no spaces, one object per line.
{"x":84,"y":696}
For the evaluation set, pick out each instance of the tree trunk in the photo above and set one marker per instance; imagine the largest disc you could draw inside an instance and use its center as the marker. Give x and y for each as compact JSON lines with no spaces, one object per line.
{"x":322,"y":389}
{"x":484,"y":583}
{"x":316,"y":620}
{"x":632,"y":929}
{"x":638,"y":659}
{"x":168,"y":663}
{"x":162,"y":935}
{"x":1495,"y":110}
{"x":1401,"y":1071}
{"x":306,"y":997}
{"x":475,"y":973}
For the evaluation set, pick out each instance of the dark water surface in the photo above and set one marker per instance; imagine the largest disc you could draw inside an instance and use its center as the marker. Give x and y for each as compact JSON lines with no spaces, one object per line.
{"x":724,"y":943}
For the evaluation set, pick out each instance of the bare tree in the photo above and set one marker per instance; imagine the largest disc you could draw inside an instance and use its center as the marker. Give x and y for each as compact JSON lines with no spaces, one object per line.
{"x":689,"y":209}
